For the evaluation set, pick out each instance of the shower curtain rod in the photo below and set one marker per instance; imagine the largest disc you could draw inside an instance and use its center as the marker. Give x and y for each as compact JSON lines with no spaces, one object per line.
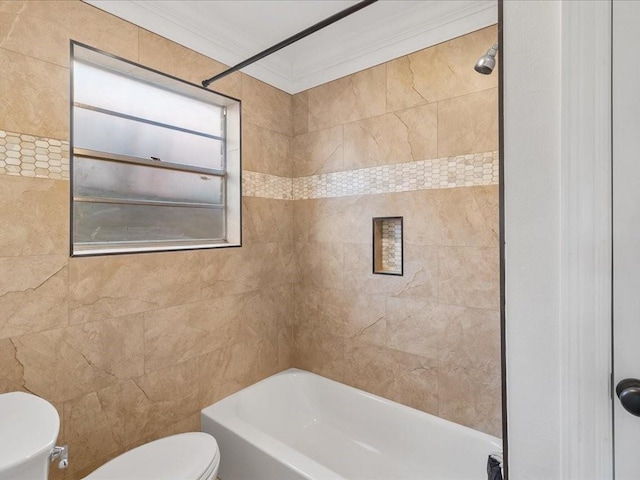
{"x":294,"y":38}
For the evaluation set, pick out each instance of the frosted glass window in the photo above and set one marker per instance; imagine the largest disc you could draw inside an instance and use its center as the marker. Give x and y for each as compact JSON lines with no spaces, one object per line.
{"x":156,"y":160}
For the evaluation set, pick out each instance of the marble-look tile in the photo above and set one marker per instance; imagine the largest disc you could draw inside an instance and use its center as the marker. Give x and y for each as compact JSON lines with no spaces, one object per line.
{"x":285,"y":348}
{"x":318,"y":353}
{"x":115,"y":345}
{"x":320,"y":264}
{"x":342,"y":313}
{"x":318,"y":152}
{"x":420,"y":279}
{"x":448,"y":335}
{"x":468,"y":124}
{"x":37,"y":212}
{"x":471,"y":397}
{"x":267,"y":220}
{"x":89,"y":432}
{"x":147,"y":405}
{"x":42,"y":29}
{"x":178,"y":333}
{"x":398,"y":376}
{"x":398,"y":137}
{"x":343,"y":219}
{"x":33,"y":294}
{"x":252,"y":267}
{"x":266,"y":151}
{"x":11,"y":371}
{"x":169,"y":57}
{"x":442,"y":71}
{"x":449,"y":217}
{"x":230,"y":369}
{"x":27,"y":103}
{"x":266,"y":106}
{"x":469,"y":277}
{"x":357,"y":96}
{"x":112,"y":286}
{"x":65,"y":363}
{"x":300,"y":113}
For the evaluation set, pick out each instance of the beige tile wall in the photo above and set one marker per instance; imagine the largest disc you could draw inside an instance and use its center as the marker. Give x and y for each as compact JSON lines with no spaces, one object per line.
{"x":429,"y":339}
{"x":129,"y":348}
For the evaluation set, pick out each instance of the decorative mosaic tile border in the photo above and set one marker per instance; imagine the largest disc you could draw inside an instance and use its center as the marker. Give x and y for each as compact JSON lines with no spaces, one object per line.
{"x":264,"y":185}
{"x":449,"y":172}
{"x":31,"y":156}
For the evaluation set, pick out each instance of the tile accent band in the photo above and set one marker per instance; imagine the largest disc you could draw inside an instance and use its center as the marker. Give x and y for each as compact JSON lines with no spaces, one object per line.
{"x":31,"y":156}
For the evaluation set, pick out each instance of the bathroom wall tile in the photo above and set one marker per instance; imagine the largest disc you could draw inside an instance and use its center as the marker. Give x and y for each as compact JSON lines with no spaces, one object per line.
{"x":188,"y":424}
{"x":240,"y":270}
{"x":266,"y":151}
{"x":398,"y":376}
{"x":37,"y":211}
{"x":33,"y":294}
{"x":266,"y":220}
{"x":178,"y":333}
{"x":399,"y":137}
{"x":420,"y":279}
{"x":300,"y":113}
{"x":344,"y":219}
{"x":452,"y":216}
{"x":320,"y":264}
{"x":471,"y":397}
{"x":114,"y":346}
{"x":150,"y":404}
{"x":439,"y":72}
{"x":65,"y":363}
{"x":446,"y":334}
{"x":318,"y":353}
{"x":469,"y":277}
{"x":106,"y":287}
{"x":342,"y":313}
{"x":300,"y":220}
{"x":357,"y":96}
{"x":468,"y":124}
{"x":11,"y":371}
{"x":42,"y":29}
{"x":34,"y":96}
{"x":89,"y":432}
{"x":318,"y":152}
{"x":266,"y":106}
{"x":230,"y":369}
{"x":168,"y":57}
{"x":285,"y":348}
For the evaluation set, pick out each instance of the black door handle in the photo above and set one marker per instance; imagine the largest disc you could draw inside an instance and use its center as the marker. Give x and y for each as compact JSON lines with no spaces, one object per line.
{"x":628,"y":391}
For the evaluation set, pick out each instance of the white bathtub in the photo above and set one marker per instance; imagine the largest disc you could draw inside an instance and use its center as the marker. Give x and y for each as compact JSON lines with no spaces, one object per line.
{"x":298,"y":425}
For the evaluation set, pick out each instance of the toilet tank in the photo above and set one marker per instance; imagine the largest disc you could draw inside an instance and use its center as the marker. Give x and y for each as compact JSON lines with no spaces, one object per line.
{"x":29,"y":429}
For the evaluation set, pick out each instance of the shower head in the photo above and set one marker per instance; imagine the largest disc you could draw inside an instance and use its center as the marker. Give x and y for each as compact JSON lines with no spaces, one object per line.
{"x":485,"y":63}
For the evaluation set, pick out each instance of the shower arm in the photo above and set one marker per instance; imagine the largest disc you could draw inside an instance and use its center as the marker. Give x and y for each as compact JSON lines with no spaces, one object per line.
{"x":292,"y":39}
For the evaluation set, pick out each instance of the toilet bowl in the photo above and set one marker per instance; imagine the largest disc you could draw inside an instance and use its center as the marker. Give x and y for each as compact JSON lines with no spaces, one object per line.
{"x":186,"y":456}
{"x":29,"y":427}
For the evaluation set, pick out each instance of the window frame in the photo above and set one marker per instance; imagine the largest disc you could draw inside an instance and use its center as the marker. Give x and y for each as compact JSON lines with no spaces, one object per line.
{"x":231,"y":208}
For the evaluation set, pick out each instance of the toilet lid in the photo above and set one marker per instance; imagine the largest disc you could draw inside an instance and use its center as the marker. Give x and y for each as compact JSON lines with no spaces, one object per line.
{"x":28,"y":427}
{"x":186,"y":456}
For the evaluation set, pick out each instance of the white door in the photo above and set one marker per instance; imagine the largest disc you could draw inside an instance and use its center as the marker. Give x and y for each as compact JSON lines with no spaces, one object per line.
{"x":626,"y":236}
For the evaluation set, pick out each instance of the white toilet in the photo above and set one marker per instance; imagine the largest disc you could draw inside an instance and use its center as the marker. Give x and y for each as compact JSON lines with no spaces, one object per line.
{"x":29,"y":429}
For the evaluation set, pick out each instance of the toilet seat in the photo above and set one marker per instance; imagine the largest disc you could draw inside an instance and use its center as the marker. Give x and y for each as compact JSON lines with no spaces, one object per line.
{"x":186,"y":456}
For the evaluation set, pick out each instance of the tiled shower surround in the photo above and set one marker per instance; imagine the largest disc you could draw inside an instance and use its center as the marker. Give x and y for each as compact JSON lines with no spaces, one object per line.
{"x":130,"y":348}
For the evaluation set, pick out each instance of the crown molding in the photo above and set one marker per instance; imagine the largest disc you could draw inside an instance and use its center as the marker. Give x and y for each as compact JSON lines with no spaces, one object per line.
{"x":394,"y":32}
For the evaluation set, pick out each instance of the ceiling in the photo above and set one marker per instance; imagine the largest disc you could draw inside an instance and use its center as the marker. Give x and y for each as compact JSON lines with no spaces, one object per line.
{"x":231,"y":31}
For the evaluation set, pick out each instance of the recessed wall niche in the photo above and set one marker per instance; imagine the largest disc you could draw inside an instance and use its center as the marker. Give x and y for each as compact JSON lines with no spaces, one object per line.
{"x":387,"y":246}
